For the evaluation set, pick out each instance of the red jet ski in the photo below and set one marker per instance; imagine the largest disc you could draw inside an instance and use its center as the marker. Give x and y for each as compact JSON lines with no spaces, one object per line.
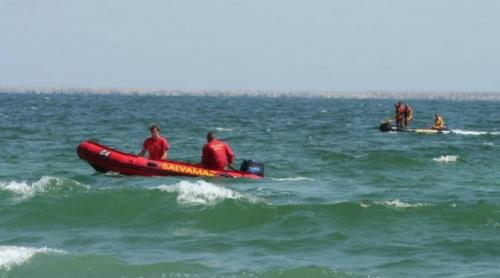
{"x":103,"y":159}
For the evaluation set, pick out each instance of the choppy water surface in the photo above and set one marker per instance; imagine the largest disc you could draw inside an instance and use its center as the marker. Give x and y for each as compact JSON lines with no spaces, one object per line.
{"x":340,"y":198}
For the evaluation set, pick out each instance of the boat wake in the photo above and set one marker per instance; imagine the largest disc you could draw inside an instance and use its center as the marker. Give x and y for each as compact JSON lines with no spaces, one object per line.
{"x":472,"y":132}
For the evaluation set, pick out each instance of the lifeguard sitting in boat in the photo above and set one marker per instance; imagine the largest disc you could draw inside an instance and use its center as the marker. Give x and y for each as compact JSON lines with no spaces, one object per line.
{"x":216,"y":154}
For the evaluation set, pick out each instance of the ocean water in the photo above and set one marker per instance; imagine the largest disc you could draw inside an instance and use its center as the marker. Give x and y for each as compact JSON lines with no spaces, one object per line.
{"x":339,"y":199}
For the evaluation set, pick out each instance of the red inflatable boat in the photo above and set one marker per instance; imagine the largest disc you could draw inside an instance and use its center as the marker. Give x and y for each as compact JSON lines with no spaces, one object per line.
{"x":104,"y":159}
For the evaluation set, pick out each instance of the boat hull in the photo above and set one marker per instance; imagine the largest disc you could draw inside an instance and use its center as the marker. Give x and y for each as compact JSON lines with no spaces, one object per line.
{"x":104,"y":159}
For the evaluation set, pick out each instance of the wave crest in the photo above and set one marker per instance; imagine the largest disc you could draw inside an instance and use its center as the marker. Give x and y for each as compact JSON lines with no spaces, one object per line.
{"x":11,"y":256}
{"x":446,"y":158}
{"x":202,"y":193}
{"x":396,"y":203}
{"x":26,"y":189}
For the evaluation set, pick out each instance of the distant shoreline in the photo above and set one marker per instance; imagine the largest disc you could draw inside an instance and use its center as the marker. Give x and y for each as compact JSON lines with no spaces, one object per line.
{"x":375,"y":94}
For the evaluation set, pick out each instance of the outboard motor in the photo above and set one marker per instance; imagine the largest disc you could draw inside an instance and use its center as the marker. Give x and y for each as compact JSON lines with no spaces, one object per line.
{"x":253,"y":167}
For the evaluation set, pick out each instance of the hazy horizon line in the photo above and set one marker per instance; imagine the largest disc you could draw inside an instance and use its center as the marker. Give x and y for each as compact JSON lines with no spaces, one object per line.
{"x":359,"y":94}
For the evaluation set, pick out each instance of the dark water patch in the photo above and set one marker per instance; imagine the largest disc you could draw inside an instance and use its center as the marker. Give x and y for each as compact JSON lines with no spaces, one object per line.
{"x":378,"y":160}
{"x":334,"y":157}
{"x":482,"y":214}
{"x":466,"y":249}
{"x":306,"y":271}
{"x":401,"y":267}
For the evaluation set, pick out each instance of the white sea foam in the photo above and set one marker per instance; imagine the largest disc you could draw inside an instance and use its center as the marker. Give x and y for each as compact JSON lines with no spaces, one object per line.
{"x":11,"y":256}
{"x":476,"y":133}
{"x":396,"y":203}
{"x":488,"y":144}
{"x":293,"y":179}
{"x":446,"y":158}
{"x":202,"y":193}
{"x":112,"y":174}
{"x":468,"y":132}
{"x":27,"y":190}
{"x":429,"y":95}
{"x":16,"y":187}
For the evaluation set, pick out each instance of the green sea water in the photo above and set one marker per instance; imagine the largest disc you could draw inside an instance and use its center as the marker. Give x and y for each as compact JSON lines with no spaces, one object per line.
{"x":339,"y":197}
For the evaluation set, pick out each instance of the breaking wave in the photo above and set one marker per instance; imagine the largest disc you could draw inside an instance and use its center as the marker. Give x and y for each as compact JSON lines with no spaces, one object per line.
{"x":45,"y":183}
{"x":446,"y":158}
{"x":203,"y":193}
{"x":395,"y":203}
{"x":11,"y":256}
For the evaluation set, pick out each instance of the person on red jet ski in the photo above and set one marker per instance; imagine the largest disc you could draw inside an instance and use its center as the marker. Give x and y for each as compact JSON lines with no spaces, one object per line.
{"x":399,"y":115}
{"x":216,"y":154}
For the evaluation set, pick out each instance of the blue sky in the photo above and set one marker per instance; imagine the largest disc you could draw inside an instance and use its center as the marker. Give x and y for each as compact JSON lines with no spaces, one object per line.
{"x":438,"y":45}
